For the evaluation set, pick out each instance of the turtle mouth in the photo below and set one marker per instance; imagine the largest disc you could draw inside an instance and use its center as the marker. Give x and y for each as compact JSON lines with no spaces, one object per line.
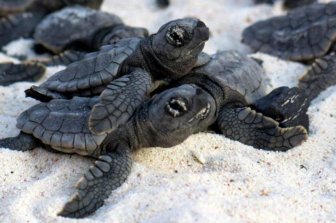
{"x":202,"y":114}
{"x":177,"y":107}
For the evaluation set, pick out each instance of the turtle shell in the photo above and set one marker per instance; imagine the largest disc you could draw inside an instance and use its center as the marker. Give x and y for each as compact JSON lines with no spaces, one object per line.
{"x":72,"y":24}
{"x":63,"y":125}
{"x":303,"y":34}
{"x":14,"y":6}
{"x":90,"y":75}
{"x":240,"y":73}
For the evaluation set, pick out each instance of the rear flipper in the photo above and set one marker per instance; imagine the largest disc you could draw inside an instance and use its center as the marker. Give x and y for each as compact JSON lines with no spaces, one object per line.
{"x":288,"y":106}
{"x":42,"y":94}
{"x":252,"y":128}
{"x":22,"y":142}
{"x":119,"y":100}
{"x":65,"y":58}
{"x":11,"y":73}
{"x":18,"y":25}
{"x":109,"y":172}
{"x":320,"y":76}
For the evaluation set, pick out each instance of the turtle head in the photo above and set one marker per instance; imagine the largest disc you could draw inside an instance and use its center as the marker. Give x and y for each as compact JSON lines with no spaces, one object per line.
{"x":178,"y":112}
{"x":180,"y":42}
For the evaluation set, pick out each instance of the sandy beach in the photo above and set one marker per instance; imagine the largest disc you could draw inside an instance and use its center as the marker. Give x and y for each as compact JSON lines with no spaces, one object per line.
{"x":208,"y":178}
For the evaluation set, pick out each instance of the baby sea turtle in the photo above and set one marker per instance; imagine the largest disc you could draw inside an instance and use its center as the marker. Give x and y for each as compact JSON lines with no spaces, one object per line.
{"x":139,"y":64}
{"x":20,"y":17}
{"x":237,"y":82}
{"x":166,"y":120}
{"x":81,"y":28}
{"x":10,"y":72}
{"x":303,"y":34}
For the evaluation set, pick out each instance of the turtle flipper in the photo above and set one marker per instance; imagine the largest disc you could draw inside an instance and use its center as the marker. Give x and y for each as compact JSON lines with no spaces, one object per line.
{"x":108,"y":173}
{"x":11,"y":73}
{"x":18,"y":25}
{"x":252,"y":128}
{"x":119,"y":100}
{"x":288,"y":106}
{"x":42,"y":94}
{"x":320,"y":76}
{"x":22,"y":142}
{"x":65,"y":58}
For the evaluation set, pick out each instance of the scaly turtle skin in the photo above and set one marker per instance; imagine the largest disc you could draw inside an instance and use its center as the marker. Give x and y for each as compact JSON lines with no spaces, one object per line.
{"x":303,"y":34}
{"x":88,"y":28}
{"x":20,"y":17}
{"x":123,"y":74}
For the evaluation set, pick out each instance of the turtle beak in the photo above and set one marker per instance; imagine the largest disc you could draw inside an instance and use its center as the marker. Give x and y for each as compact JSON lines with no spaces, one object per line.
{"x":202,"y":31}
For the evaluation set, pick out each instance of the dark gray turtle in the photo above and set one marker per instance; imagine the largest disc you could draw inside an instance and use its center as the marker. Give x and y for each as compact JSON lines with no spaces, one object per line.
{"x":140,"y":66}
{"x":11,"y":73}
{"x":164,"y":121}
{"x":20,"y":17}
{"x":288,"y":4}
{"x":82,"y":28}
{"x":302,"y":35}
{"x":245,"y":76}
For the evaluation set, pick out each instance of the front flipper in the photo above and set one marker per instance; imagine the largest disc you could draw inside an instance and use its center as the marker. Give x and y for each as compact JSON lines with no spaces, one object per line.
{"x":254,"y":129}
{"x":11,"y":73}
{"x":42,"y":94}
{"x":288,"y":106}
{"x":22,"y":142}
{"x":320,"y":76}
{"x":109,"y":172}
{"x":119,"y":100}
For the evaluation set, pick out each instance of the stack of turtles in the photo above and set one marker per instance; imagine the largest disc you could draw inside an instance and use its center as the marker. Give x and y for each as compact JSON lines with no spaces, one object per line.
{"x":155,"y":91}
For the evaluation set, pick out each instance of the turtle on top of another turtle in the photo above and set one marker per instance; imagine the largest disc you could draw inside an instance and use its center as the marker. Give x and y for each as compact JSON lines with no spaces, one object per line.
{"x":128,"y":71}
{"x":196,"y":103}
{"x":303,"y":34}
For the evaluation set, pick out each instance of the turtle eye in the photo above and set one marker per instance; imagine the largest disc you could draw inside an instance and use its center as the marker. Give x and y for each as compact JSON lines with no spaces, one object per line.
{"x":176,"y":107}
{"x":176,"y":36}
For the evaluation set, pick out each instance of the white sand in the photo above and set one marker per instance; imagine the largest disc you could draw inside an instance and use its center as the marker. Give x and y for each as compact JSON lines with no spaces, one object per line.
{"x":208,"y":178}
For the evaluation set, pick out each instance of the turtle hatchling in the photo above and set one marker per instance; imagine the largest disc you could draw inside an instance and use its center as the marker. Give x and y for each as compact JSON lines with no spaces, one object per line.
{"x":124,"y":73}
{"x":165,"y":120}
{"x":81,"y":29}
{"x":237,"y":82}
{"x":303,"y":34}
{"x":18,"y":18}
